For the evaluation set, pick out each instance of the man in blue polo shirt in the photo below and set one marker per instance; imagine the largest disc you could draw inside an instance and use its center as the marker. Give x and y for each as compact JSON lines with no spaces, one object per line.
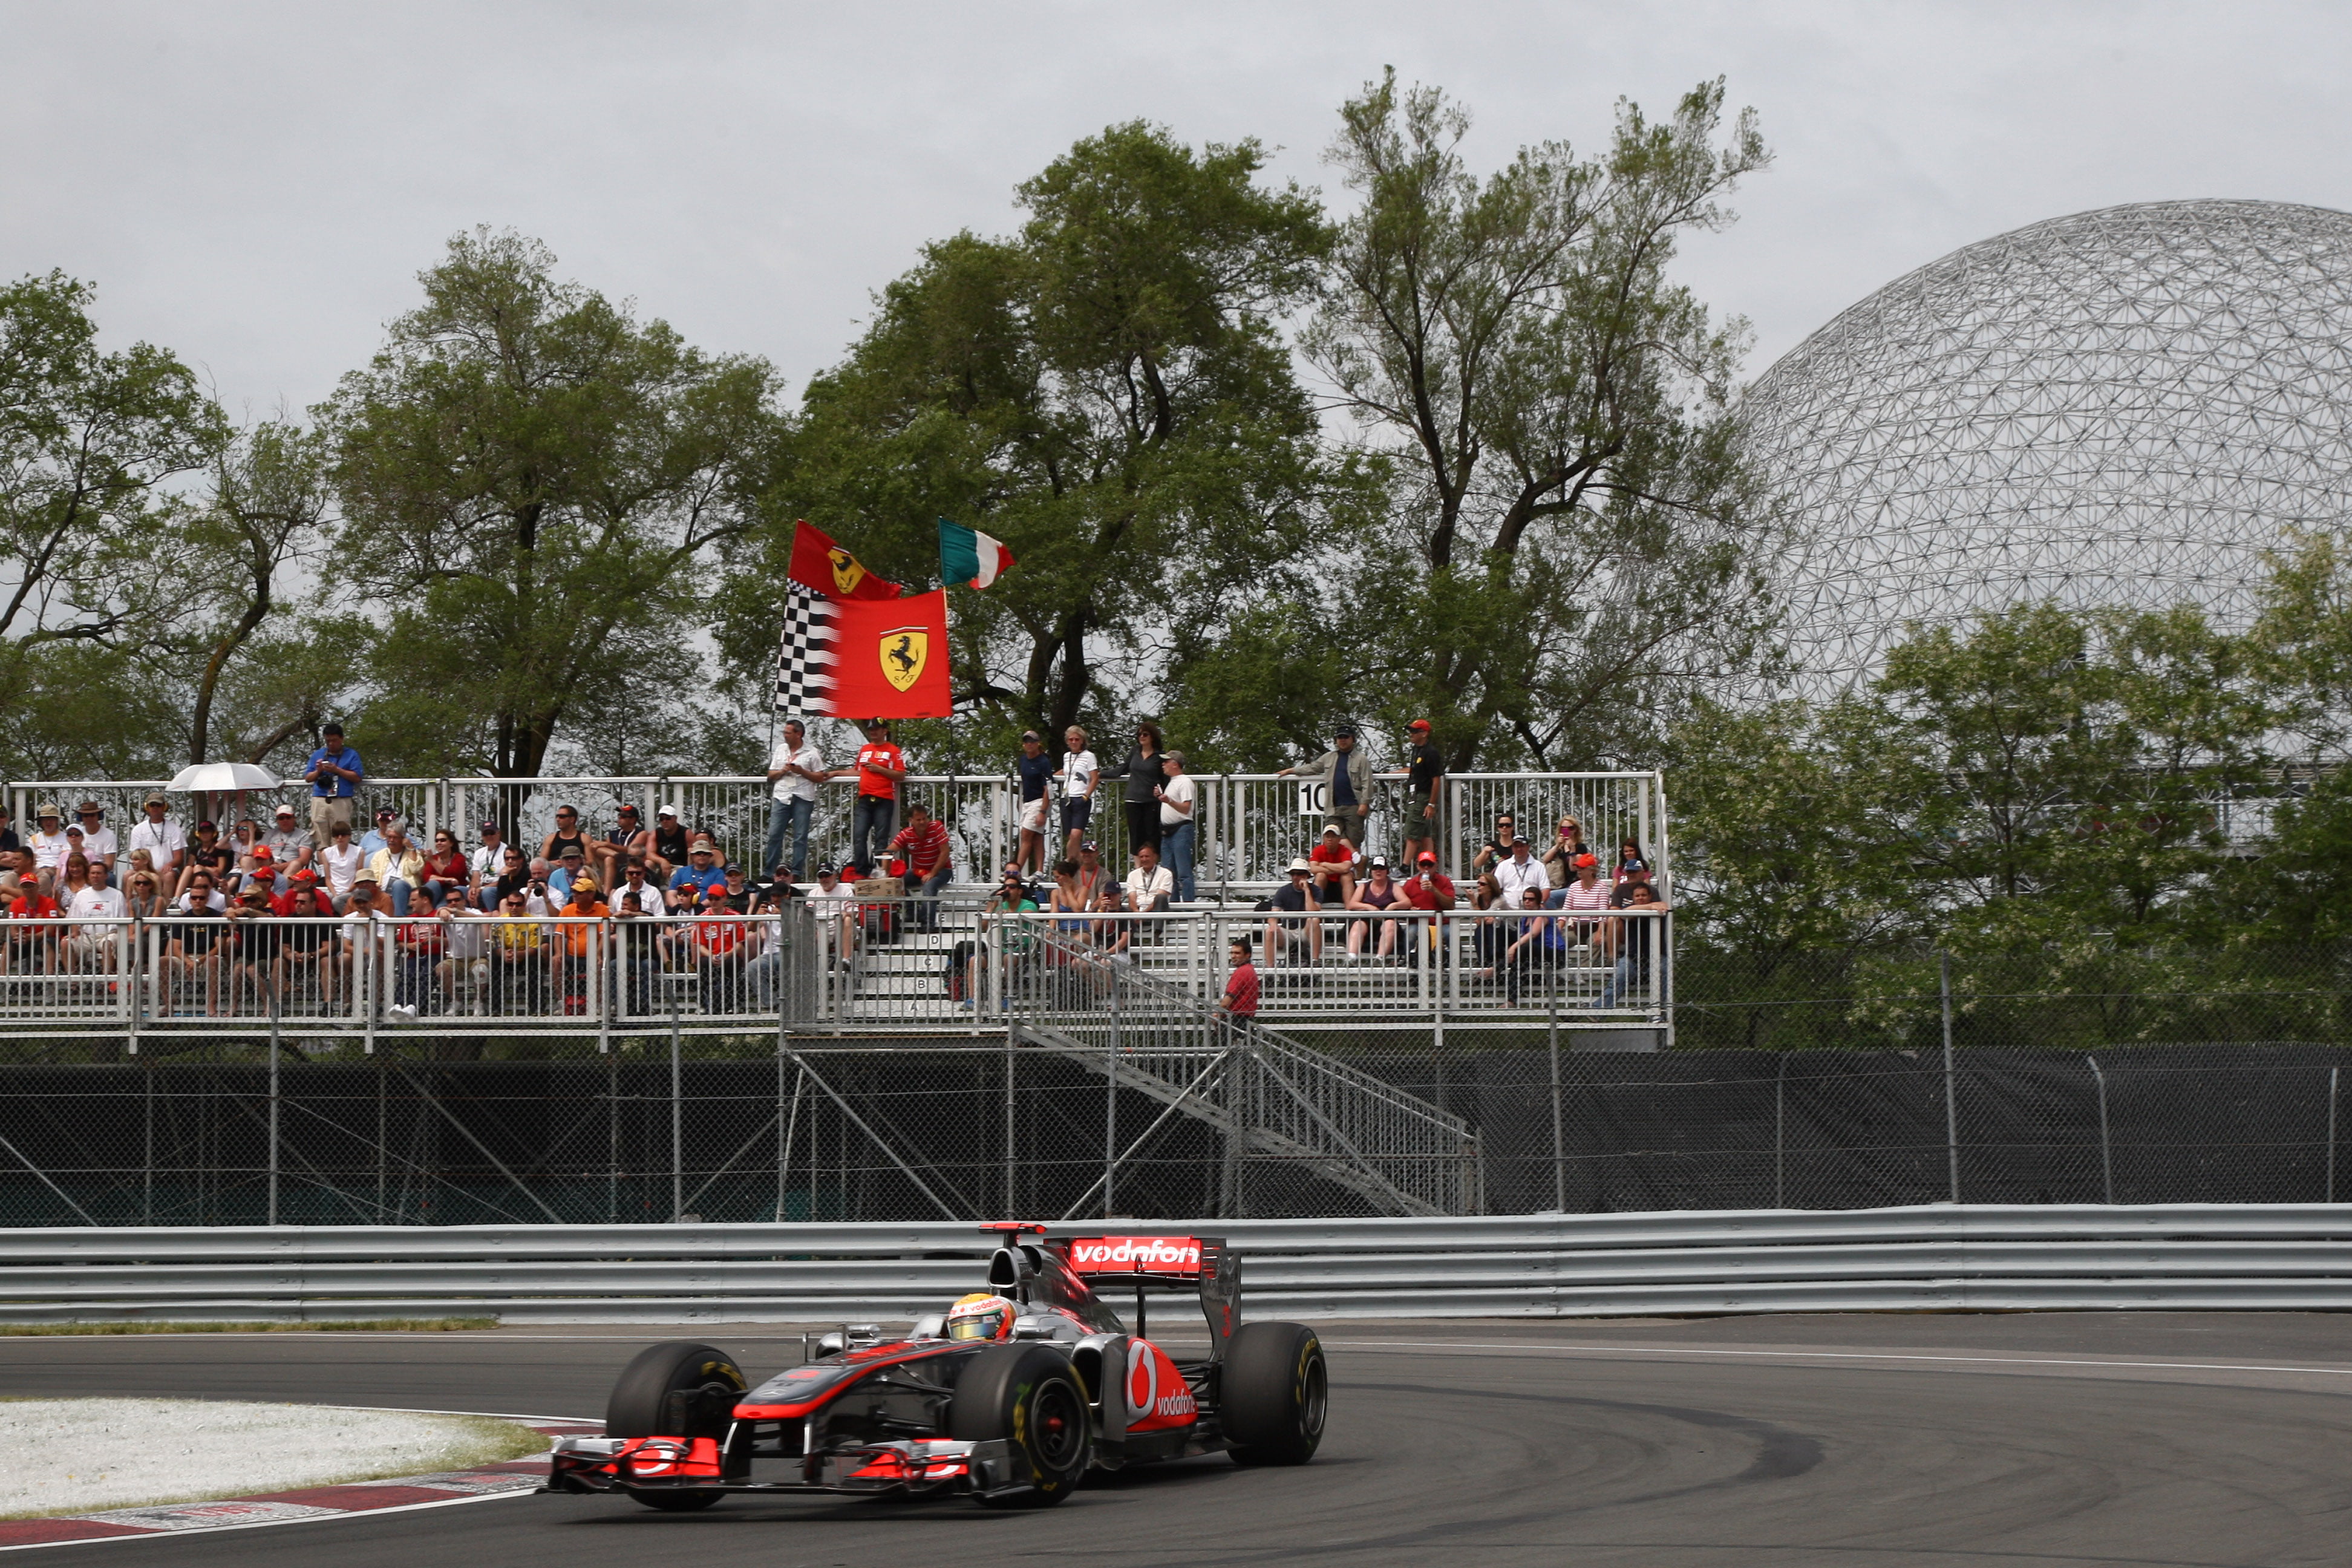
{"x":335,"y":774}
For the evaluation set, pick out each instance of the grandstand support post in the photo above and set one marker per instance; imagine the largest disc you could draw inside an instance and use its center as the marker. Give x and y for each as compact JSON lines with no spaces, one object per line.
{"x":273,"y":1105}
{"x":602,"y":976}
{"x":133,"y":946}
{"x":1438,"y":972}
{"x":1111,"y":1100}
{"x":1951,"y":1111}
{"x":147,"y":1162}
{"x":1558,"y":1144}
{"x":2106,"y":1154}
{"x":1012,"y":1128}
{"x":2331,"y":1132}
{"x":1780,"y":1134}
{"x":676,"y":1115}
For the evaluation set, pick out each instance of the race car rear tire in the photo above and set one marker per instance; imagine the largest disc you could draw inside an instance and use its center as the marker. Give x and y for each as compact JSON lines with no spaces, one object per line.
{"x":677,"y":1389}
{"x":1274,"y":1394}
{"x":1026,"y":1395}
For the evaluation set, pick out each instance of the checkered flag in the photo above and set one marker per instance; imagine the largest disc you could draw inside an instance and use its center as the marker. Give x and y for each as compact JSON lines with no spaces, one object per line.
{"x":805,"y":654}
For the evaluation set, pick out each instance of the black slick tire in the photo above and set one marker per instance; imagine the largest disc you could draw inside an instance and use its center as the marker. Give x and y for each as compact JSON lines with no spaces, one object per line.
{"x":677,"y":1389}
{"x":1026,"y":1395}
{"x":1274,"y":1394}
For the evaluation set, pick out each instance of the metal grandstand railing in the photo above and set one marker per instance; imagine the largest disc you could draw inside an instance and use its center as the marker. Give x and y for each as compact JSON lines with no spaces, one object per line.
{"x":1250,"y":825}
{"x":1272,"y":1099}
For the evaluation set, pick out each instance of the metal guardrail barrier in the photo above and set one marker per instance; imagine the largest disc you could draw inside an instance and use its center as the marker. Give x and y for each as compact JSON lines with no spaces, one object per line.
{"x":1946,"y":1257}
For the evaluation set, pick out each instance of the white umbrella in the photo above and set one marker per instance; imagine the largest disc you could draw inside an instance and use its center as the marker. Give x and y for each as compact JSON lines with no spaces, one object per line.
{"x":222,"y":778}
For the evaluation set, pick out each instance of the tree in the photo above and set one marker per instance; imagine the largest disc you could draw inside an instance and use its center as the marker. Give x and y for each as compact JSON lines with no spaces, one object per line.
{"x":534,"y":485}
{"x":264,"y":519}
{"x":1107,"y":393}
{"x":92,"y":568}
{"x":1577,"y":548}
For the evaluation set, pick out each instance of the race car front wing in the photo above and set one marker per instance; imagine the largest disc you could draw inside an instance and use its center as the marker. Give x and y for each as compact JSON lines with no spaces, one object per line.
{"x":914,"y":1466}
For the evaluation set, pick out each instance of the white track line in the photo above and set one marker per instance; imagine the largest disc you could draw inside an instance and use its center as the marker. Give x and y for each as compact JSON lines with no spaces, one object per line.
{"x":1626,"y":1351}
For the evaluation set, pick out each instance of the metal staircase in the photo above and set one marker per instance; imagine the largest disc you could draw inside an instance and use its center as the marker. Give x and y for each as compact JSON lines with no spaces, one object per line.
{"x":1274,"y":1100}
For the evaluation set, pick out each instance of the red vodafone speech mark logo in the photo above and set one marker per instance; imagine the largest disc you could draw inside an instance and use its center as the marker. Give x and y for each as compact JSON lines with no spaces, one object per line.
{"x":1137,"y":1255}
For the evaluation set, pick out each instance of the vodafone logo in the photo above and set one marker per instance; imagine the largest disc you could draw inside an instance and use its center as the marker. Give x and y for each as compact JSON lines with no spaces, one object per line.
{"x":1178,"y":1405}
{"x":1137,"y":1254}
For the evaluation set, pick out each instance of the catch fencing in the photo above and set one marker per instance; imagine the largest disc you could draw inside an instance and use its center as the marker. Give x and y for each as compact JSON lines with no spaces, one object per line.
{"x":1982,"y":1258}
{"x":1082,"y":1115}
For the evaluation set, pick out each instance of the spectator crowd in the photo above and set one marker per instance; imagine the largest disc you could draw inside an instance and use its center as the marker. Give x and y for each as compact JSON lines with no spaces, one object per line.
{"x":269,"y":909}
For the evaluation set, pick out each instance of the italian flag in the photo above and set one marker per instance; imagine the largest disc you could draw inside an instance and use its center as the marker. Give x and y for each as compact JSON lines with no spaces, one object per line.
{"x":969,"y":556}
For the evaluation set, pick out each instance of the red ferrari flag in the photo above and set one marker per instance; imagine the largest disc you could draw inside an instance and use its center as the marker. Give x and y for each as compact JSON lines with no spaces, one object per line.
{"x":824,"y":567}
{"x":865,"y":659}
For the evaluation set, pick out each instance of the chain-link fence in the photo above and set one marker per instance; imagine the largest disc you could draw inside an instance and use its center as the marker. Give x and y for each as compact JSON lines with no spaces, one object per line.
{"x":2207,"y":1078}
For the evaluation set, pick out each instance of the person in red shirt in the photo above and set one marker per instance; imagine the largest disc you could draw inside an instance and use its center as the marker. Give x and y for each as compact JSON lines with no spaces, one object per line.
{"x":720,"y":935}
{"x":1240,"y":1000}
{"x":33,"y":949}
{"x":880,"y":768}
{"x":1335,"y":865}
{"x":283,"y":904}
{"x":1427,"y":889}
{"x":929,"y":860}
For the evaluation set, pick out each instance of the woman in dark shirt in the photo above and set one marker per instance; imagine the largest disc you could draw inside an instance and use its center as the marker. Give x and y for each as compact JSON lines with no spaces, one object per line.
{"x":1142,"y":772}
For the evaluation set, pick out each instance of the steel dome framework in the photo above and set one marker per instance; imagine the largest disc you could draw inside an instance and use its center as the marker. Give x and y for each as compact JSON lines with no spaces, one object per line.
{"x":2125,"y":406}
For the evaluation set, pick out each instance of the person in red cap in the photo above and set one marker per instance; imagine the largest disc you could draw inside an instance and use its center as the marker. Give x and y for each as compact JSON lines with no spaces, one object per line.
{"x":1427,"y":888}
{"x":1425,"y":785}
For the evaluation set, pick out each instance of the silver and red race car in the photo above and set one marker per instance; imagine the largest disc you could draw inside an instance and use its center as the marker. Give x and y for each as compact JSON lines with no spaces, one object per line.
{"x":1009,"y":1396}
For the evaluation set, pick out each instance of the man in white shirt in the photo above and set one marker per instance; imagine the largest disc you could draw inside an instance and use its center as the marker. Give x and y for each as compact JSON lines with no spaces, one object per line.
{"x":489,"y":863}
{"x":160,"y":837}
{"x":1150,"y":885}
{"x":795,"y":770}
{"x":1080,"y":773}
{"x":464,"y":941}
{"x":835,"y":905}
{"x":98,"y":840}
{"x":98,"y":945}
{"x":1518,"y":872}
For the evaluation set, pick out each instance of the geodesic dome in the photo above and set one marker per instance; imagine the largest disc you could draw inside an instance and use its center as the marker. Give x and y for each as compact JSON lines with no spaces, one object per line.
{"x":2123,"y":407}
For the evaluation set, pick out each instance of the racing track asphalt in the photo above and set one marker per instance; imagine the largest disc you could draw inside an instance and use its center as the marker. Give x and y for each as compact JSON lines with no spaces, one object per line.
{"x":2047,"y":1440}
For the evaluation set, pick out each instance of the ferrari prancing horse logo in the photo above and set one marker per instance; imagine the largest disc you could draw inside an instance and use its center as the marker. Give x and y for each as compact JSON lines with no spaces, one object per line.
{"x":903,"y":653}
{"x":846,"y":572}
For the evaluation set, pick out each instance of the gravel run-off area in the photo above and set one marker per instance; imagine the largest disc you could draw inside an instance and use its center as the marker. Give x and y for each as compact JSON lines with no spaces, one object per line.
{"x":73,"y":1456}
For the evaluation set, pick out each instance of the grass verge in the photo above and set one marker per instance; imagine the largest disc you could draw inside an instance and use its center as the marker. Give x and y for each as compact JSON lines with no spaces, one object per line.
{"x":362,"y":1325}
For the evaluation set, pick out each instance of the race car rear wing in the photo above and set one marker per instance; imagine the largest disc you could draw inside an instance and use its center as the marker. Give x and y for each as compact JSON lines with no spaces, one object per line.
{"x":1167,"y":1263}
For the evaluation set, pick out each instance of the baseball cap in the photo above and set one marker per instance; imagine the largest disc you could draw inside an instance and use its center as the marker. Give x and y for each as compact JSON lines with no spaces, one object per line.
{"x":261,"y":854}
{"x":1301,"y":868}
{"x":822,"y":871}
{"x":666,"y":811}
{"x":206,"y":826}
{"x":156,"y":800}
{"x":1428,"y":857}
{"x":1090,"y":844}
{"x":285,"y":811}
{"x":492,"y":828}
{"x":305,"y":875}
{"x":1584,"y":860}
{"x":1343,"y":733}
{"x":385,"y":814}
{"x":1377,"y":865}
{"x":1331,"y":827}
{"x":1418,"y":724}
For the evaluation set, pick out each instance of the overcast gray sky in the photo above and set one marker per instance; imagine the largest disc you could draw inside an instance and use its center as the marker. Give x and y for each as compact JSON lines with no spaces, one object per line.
{"x":256,"y":186}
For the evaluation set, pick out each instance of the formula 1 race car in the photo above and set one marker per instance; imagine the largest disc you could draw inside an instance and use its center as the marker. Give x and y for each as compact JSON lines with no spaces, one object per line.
{"x":1008,"y":1398}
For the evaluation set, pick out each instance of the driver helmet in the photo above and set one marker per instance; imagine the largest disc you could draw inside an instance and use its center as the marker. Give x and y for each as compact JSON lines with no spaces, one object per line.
{"x":981,"y":1316}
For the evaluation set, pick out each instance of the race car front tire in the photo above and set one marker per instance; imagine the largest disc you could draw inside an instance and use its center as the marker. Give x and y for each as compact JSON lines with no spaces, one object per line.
{"x":1027,"y":1396}
{"x":1274,"y":1394}
{"x":677,"y":1389}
